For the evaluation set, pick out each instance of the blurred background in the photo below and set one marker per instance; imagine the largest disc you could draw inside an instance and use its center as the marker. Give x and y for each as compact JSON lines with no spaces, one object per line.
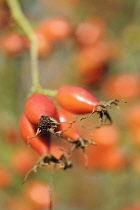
{"x":93,"y":44}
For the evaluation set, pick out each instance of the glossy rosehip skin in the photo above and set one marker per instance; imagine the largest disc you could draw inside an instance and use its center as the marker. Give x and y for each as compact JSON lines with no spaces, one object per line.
{"x":41,"y":143}
{"x":76,"y":99}
{"x":70,"y":131}
{"x":37,"y":105}
{"x":64,"y":116}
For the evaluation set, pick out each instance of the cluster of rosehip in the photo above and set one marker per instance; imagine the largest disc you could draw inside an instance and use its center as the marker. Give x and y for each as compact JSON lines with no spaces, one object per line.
{"x":46,"y":32}
{"x":41,"y":119}
{"x":94,"y":51}
{"x":92,"y":54}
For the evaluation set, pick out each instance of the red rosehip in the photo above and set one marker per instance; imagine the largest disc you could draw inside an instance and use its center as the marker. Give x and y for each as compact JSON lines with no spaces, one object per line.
{"x":76,"y":99}
{"x":22,"y":160}
{"x":58,"y":149}
{"x":64,"y":116}
{"x":12,"y":43}
{"x":55,"y":28}
{"x":37,"y":105}
{"x":92,"y":62}
{"x":105,"y":136}
{"x":90,"y":31}
{"x":43,"y":45}
{"x":37,"y":193}
{"x":113,"y":159}
{"x":69,"y":130}
{"x":41,"y":143}
{"x":106,"y":158}
{"x":122,"y":85}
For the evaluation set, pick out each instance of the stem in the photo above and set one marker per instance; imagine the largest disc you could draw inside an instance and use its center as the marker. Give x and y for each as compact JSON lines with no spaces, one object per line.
{"x":24,"y":24}
{"x":22,"y":21}
{"x":48,"y":92}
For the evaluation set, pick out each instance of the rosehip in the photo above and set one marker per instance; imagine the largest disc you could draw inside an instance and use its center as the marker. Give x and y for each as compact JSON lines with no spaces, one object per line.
{"x":40,"y":143}
{"x":43,"y":45}
{"x":109,"y":158}
{"x":56,"y":151}
{"x":92,"y":62}
{"x":37,"y":193}
{"x":22,"y":160}
{"x":64,"y":116}
{"x":12,"y":43}
{"x":76,"y":99}
{"x":105,"y":136}
{"x":38,"y":105}
{"x":113,"y":159}
{"x":90,"y":31}
{"x":122,"y":85}
{"x":55,"y":28}
{"x":70,"y":131}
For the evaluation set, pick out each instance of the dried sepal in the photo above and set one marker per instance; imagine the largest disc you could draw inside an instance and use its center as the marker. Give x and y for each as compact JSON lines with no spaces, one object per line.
{"x":101,"y":110}
{"x":47,"y":160}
